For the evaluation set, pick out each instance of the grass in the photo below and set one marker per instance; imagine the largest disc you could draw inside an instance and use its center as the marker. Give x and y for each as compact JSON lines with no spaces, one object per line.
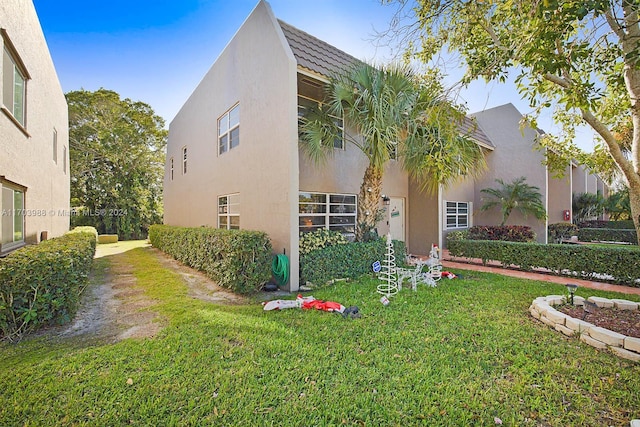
{"x":459,"y":354}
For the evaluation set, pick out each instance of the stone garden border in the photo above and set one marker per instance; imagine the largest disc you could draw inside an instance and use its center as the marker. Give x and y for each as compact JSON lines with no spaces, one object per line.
{"x":543,"y":309}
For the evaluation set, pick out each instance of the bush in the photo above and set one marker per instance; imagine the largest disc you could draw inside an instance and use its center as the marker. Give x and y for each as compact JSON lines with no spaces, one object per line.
{"x":40,"y":285}
{"x":85,"y":229}
{"x":626,"y":224}
{"x":608,"y":235}
{"x":458,"y":235}
{"x":319,"y":239}
{"x":239,"y":260}
{"x":562,"y":231}
{"x":620,"y":264}
{"x":508,"y":233}
{"x":348,"y":261}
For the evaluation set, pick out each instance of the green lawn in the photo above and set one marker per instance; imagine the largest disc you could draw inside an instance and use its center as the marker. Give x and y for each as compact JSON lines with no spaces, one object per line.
{"x":463,"y":353}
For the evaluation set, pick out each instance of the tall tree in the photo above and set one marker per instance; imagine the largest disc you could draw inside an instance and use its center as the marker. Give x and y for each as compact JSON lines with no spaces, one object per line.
{"x":394,"y":114}
{"x":517,"y":195}
{"x":580,"y":58}
{"x":117,"y":162}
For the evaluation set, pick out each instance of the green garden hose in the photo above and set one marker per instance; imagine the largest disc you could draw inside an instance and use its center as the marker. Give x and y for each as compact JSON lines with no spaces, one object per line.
{"x":280,"y":269}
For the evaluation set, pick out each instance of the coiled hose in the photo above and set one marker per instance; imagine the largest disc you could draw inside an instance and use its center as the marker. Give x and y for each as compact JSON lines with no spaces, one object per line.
{"x":280,"y":269}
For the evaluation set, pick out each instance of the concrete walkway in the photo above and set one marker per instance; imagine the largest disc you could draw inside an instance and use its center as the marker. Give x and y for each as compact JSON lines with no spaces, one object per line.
{"x":476,"y":265}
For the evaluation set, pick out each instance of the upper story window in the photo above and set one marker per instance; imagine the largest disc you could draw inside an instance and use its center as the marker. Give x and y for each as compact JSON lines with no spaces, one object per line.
{"x":64,"y":159}
{"x":55,"y":146}
{"x":184,"y":160}
{"x":310,"y":95}
{"x":171,"y":161}
{"x":14,"y":83}
{"x":229,"y":130}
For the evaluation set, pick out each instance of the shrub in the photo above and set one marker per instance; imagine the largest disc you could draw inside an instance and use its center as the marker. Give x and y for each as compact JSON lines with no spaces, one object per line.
{"x":239,"y":260}
{"x":85,"y":229}
{"x":508,"y":233}
{"x":562,"y":231}
{"x":608,"y":235}
{"x":350,"y":260}
{"x":41,"y":284}
{"x":621,"y":264}
{"x":319,"y":239}
{"x":458,"y":235}
{"x":625,"y":225}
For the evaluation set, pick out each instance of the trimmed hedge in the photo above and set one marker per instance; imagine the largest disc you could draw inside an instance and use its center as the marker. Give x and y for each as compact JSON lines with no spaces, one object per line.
{"x":608,"y":235}
{"x":625,"y":224}
{"x":320,"y":239}
{"x":562,"y":231}
{"x":346,"y":261}
{"x":40,"y":285}
{"x":509,"y":233}
{"x":239,"y":260}
{"x":618,"y":265}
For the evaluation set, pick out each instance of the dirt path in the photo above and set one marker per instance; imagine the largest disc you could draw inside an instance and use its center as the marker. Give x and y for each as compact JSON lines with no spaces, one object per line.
{"x":114,"y":307}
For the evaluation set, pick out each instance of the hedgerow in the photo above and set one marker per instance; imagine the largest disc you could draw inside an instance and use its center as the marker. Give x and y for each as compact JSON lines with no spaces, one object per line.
{"x":346,"y":261}
{"x":617,"y":265}
{"x":40,"y":285}
{"x":608,"y":235}
{"x":239,"y":260}
{"x":509,"y":233}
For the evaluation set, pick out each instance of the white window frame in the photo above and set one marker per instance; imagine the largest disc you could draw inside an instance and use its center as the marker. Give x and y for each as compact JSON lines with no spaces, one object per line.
{"x":229,"y":211}
{"x":14,"y":84}
{"x":11,"y":215}
{"x":457,"y":210}
{"x":184,"y":159}
{"x":318,"y":210}
{"x":228,"y":126}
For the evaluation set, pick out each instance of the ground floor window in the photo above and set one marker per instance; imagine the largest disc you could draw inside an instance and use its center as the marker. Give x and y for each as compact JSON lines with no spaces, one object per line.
{"x":457,"y":214}
{"x":229,"y":212}
{"x":332,"y":211}
{"x":12,"y":210}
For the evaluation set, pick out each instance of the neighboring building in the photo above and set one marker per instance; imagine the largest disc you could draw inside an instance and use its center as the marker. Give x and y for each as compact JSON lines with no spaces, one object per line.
{"x":34,"y":133}
{"x":233,"y":159}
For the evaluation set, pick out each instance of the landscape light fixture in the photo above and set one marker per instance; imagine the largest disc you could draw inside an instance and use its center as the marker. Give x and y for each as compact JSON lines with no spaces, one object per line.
{"x":572,"y":290}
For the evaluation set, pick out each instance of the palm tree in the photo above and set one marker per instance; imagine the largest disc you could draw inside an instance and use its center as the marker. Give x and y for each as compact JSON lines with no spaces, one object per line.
{"x":517,"y":195}
{"x":393,"y":115}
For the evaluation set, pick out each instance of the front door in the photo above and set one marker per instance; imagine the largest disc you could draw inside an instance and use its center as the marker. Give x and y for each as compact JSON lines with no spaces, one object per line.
{"x":396,"y":219}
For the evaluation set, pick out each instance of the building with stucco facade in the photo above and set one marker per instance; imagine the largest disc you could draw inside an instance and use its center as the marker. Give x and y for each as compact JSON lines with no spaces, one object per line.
{"x":233,"y":159}
{"x":34,"y":133}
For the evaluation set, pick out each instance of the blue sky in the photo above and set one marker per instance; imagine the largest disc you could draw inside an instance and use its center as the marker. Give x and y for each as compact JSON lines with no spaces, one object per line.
{"x":157,"y":51}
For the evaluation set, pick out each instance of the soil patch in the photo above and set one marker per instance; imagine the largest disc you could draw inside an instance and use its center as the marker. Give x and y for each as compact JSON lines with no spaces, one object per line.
{"x":113,"y":307}
{"x":625,"y":322}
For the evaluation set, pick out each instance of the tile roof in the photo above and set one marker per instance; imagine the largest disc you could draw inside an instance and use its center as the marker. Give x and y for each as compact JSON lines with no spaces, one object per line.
{"x":469,"y":127}
{"x":315,"y":54}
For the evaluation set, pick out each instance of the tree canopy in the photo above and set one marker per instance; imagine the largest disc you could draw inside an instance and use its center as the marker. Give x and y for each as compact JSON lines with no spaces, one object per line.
{"x":579,"y":58}
{"x":116,"y":161}
{"x":394,"y":114}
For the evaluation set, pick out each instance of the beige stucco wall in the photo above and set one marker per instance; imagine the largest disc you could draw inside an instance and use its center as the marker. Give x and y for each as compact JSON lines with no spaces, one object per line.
{"x":26,"y":157}
{"x":559,"y":197}
{"x":514,"y":156}
{"x":258,"y":71}
{"x":461,"y":191}
{"x":343,"y":173}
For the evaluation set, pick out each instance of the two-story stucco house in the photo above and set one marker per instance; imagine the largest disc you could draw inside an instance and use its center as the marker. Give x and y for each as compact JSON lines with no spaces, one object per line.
{"x":34,"y":133}
{"x":233,"y":159}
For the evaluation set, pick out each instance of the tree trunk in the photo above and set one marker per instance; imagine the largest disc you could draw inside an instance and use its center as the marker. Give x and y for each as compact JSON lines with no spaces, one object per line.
{"x":369,"y":202}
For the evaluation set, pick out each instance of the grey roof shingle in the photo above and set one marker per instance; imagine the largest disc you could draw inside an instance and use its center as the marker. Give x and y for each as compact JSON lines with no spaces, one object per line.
{"x":315,"y":54}
{"x":469,"y":127}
